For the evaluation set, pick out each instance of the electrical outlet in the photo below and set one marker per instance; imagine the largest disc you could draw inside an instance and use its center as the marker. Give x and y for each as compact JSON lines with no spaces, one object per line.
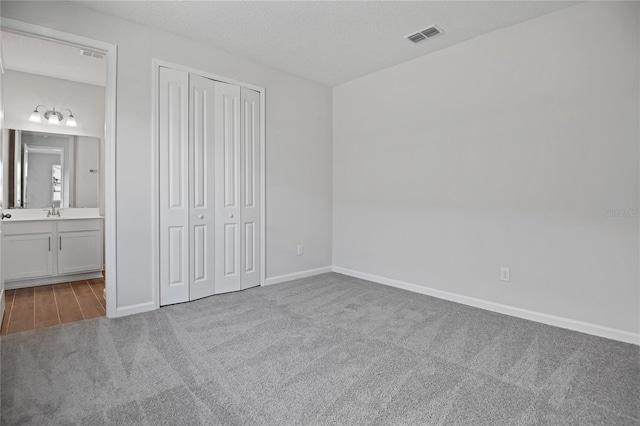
{"x":505,"y":274}
{"x":300,"y":250}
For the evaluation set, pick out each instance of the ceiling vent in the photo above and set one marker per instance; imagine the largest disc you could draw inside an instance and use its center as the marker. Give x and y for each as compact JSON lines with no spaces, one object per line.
{"x":428,"y":32}
{"x":91,"y":54}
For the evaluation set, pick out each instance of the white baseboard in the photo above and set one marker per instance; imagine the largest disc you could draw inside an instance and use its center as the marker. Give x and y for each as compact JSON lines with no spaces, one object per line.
{"x":298,"y":275}
{"x":135,"y":309}
{"x":33,"y":282}
{"x":571,"y":324}
{"x":150,"y":306}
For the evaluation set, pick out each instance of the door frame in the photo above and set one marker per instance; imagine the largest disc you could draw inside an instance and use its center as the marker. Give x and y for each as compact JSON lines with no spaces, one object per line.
{"x":156,"y":64}
{"x":110,"y":218}
{"x":3,"y":158}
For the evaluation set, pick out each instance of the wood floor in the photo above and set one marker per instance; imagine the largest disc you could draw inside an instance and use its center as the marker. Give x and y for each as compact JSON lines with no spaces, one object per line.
{"x":45,"y":306}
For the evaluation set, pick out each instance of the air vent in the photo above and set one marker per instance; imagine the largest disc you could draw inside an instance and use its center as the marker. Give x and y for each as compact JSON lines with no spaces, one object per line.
{"x":428,"y":32}
{"x":416,"y":37}
{"x":91,"y":54}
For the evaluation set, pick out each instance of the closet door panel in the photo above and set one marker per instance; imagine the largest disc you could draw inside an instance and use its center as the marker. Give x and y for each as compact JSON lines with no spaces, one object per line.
{"x":250,"y":188}
{"x":174,"y":186}
{"x":227,"y":183}
{"x":230,"y":243}
{"x":200,"y":266}
{"x":201,"y":186}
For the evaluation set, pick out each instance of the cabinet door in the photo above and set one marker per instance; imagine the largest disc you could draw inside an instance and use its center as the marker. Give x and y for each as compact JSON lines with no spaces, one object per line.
{"x":27,"y":256}
{"x":79,"y":252}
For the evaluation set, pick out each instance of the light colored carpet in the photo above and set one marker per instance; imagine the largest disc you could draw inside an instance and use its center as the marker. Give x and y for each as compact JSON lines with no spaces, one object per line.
{"x":328,"y":349}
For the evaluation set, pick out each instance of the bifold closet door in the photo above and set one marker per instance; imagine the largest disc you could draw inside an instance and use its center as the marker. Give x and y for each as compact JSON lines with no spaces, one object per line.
{"x":250,"y":188}
{"x":187,"y":197}
{"x":209,"y":135}
{"x":237,"y":188}
{"x":174,"y":191}
{"x":227,"y":187}
{"x":201,"y":187}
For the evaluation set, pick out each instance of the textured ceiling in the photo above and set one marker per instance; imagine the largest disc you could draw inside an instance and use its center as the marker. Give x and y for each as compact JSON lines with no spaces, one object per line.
{"x":330,"y":42}
{"x":37,"y":56}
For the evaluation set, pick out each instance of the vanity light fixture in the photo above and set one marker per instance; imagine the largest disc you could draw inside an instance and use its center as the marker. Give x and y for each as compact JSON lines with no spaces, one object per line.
{"x":52,"y":116}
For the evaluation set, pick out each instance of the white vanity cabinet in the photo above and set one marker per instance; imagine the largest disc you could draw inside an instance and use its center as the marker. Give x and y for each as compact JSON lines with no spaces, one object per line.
{"x":51,"y":251}
{"x":27,"y":250}
{"x":79,"y":246}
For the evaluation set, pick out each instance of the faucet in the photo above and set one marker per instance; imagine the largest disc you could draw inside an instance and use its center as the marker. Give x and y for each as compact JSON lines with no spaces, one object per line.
{"x":53,"y":211}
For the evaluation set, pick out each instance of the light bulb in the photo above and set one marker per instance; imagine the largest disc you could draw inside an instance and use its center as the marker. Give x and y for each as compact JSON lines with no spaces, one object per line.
{"x":35,"y":117}
{"x":71,"y":121}
{"x":53,"y":119}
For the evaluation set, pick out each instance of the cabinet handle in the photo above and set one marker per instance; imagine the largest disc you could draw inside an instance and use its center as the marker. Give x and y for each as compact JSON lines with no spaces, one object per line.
{"x":60,"y":237}
{"x":49,"y":243}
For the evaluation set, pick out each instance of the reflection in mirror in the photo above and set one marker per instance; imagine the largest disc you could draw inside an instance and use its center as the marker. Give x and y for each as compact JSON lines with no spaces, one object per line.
{"x":38,"y":165}
{"x":51,"y":170}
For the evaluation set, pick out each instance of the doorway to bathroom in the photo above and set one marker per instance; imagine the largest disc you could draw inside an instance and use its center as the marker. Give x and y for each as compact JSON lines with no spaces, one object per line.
{"x":58,"y":178}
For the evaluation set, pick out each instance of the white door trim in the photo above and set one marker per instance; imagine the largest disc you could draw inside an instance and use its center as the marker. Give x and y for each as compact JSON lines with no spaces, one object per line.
{"x":110,"y":218}
{"x":155,"y":169}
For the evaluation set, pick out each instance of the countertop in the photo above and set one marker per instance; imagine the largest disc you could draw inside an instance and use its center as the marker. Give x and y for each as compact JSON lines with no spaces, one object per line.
{"x":55,"y":218}
{"x":30,"y":215}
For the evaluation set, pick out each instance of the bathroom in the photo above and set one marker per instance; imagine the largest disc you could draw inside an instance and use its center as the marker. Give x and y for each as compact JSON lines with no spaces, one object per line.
{"x":52,"y":198}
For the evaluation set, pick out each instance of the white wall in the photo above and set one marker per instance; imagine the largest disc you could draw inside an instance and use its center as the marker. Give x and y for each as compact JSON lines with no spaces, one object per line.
{"x":506,"y":150}
{"x":298,"y":153}
{"x":23,"y":91}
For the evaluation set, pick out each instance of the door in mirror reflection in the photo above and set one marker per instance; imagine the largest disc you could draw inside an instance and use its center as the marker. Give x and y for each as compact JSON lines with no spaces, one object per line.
{"x":39,"y":181}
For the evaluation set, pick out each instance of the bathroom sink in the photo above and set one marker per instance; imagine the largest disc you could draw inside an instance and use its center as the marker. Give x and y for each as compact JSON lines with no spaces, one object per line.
{"x":79,"y":213}
{"x":43,"y":214}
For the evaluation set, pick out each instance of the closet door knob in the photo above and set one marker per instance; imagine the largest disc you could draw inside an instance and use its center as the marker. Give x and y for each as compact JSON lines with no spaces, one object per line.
{"x":200,"y":216}
{"x":230,"y":216}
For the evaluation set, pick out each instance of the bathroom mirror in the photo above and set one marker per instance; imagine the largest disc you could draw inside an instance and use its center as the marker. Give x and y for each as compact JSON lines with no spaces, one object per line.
{"x":47,"y":169}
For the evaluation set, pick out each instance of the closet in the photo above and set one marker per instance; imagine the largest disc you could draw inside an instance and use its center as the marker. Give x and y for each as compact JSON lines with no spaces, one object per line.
{"x":209,"y":156}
